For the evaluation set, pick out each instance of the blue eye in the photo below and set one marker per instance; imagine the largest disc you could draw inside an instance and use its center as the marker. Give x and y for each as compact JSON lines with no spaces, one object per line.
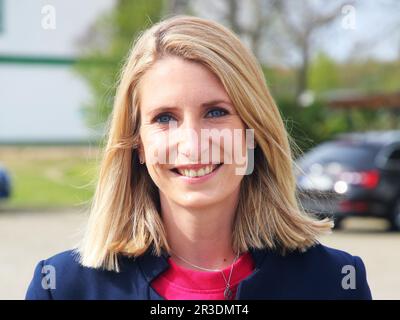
{"x":164,"y":118}
{"x":217,"y":112}
{"x":214,"y":113}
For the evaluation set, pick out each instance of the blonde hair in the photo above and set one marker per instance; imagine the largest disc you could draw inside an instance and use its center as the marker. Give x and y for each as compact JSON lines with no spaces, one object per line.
{"x":125,"y":211}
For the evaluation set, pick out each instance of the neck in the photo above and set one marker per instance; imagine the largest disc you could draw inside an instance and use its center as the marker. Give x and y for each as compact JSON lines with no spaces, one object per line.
{"x":200,"y":235}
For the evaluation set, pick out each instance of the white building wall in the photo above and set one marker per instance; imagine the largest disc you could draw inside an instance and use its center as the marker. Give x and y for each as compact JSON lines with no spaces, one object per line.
{"x":40,"y":102}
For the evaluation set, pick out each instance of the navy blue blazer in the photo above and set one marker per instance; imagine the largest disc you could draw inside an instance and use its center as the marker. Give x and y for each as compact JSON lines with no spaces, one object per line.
{"x":318,"y":273}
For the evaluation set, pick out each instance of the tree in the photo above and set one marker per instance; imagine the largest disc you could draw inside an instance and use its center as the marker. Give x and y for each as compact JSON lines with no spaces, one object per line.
{"x":279,"y":31}
{"x":249,"y":19}
{"x":300,"y":21}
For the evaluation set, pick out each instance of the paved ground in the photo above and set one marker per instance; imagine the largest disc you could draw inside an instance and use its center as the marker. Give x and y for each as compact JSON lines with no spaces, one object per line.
{"x":27,"y":237}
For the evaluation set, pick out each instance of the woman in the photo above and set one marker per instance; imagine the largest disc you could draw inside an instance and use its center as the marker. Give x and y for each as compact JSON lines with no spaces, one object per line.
{"x":170,"y":219}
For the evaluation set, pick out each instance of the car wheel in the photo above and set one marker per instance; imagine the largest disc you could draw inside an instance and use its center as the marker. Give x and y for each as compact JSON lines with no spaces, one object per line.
{"x":395,"y":218}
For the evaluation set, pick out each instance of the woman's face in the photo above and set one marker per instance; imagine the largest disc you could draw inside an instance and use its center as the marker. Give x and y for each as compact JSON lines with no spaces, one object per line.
{"x":187,"y":121}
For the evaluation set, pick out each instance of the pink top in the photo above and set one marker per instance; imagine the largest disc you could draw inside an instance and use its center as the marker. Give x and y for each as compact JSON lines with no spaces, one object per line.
{"x":179,"y":283}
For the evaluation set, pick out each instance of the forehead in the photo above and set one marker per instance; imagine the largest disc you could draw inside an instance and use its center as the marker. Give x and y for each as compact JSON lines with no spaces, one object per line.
{"x":175,"y":81}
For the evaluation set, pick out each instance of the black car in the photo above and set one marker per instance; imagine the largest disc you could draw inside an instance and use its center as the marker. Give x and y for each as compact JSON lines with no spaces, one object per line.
{"x":357,"y":174}
{"x":5,"y":184}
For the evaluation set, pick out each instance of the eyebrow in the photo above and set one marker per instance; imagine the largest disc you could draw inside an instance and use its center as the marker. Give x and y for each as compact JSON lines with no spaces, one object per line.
{"x":161,"y":109}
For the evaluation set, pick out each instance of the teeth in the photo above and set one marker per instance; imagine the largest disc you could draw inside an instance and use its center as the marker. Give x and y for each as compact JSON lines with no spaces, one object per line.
{"x":197,"y":173}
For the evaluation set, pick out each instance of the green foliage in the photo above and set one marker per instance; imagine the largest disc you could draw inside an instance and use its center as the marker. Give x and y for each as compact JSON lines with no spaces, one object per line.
{"x":370,"y":75}
{"x":323,"y":74}
{"x":318,"y":122}
{"x":280,"y":81}
{"x":307,"y":126}
{"x":314,"y":124}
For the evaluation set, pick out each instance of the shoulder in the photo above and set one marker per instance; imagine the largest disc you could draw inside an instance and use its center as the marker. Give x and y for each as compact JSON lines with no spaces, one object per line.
{"x":332,"y":260}
{"x":344,"y":272}
{"x":325,"y":256}
{"x":328,"y":255}
{"x":321,"y":272}
{"x":61,"y":276}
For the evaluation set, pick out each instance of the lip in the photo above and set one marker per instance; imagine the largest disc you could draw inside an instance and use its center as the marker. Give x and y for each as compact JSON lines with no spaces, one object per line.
{"x":196,"y":180}
{"x":194,"y":166}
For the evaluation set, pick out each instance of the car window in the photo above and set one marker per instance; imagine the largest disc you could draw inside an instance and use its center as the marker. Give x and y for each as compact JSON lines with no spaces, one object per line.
{"x":351,"y":155}
{"x":395,"y":155}
{"x":393,"y":160}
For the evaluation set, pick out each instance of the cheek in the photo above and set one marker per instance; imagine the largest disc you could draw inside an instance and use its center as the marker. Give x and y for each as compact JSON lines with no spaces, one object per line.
{"x":237,"y":150}
{"x":233,"y":174}
{"x":242,"y":159}
{"x":155,"y":146}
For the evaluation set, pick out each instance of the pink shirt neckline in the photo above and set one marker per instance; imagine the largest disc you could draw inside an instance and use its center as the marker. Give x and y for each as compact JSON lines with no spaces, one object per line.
{"x":178,"y":282}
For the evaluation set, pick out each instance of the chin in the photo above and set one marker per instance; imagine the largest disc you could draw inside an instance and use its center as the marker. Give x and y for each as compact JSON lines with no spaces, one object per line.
{"x":198,"y":199}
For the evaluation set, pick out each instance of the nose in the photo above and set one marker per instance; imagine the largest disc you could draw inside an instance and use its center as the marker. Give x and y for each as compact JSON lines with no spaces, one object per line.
{"x":189,"y":143}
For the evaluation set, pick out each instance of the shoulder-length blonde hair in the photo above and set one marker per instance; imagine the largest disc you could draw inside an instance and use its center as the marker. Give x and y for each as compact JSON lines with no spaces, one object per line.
{"x":125,"y":211}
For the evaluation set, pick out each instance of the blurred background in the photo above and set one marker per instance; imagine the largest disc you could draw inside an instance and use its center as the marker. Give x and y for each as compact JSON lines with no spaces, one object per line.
{"x":333,"y":68}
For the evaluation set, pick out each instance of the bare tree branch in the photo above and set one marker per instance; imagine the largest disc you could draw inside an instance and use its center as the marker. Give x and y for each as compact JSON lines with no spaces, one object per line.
{"x":301,"y":27}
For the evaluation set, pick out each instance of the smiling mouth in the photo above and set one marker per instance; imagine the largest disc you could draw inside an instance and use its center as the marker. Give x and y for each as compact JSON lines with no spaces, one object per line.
{"x":197,"y":173}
